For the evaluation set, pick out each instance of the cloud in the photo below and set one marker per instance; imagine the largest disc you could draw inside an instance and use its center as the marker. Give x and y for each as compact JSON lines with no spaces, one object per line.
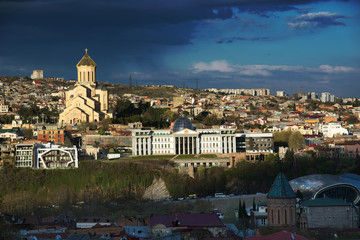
{"x":219,"y":65}
{"x":233,"y":39}
{"x":336,"y":69}
{"x":316,"y":20}
{"x":268,"y":70}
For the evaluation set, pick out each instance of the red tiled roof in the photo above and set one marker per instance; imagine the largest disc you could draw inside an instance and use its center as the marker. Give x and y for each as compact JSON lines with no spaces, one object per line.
{"x":283,"y":235}
{"x":188,"y":220}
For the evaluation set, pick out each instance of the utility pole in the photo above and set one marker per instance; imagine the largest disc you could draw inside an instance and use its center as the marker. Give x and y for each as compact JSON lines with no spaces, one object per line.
{"x":197,"y":83}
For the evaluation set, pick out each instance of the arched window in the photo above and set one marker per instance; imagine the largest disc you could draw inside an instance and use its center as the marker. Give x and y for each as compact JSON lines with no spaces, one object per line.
{"x":88,"y":76}
{"x":285,"y":217}
{"x":278,"y":216}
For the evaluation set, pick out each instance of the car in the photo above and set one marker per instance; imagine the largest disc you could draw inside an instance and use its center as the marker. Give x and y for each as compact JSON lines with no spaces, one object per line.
{"x":219,"y":195}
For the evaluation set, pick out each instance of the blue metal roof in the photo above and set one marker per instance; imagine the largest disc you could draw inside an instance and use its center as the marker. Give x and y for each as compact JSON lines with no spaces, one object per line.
{"x":281,"y":188}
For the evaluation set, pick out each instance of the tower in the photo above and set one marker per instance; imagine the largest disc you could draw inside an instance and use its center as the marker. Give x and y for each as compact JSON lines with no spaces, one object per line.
{"x":281,"y":203}
{"x":86,"y":69}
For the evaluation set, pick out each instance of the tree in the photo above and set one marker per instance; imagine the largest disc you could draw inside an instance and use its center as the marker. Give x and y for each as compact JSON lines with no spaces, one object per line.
{"x":352,"y":119}
{"x":296,"y":141}
{"x":28,"y":133}
{"x":67,"y":142}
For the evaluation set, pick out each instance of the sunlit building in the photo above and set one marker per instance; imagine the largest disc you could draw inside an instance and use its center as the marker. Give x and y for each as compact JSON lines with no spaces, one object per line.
{"x":185,"y":139}
{"x":51,"y":156}
{"x":86,"y":102}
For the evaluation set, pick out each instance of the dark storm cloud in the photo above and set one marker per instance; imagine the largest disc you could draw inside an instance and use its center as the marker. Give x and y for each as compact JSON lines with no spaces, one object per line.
{"x":124,"y":34}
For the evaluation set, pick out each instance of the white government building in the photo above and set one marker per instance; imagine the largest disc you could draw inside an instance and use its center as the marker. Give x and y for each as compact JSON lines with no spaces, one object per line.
{"x":184,"y":139}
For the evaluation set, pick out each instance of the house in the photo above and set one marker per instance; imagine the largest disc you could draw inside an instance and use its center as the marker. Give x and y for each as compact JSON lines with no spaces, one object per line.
{"x":163,"y":225}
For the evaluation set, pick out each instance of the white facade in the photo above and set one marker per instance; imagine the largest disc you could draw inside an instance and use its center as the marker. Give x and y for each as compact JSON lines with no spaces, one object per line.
{"x":333,"y":129}
{"x":51,"y":156}
{"x":327,"y":97}
{"x":280,"y":93}
{"x":37,"y":74}
{"x":186,"y":141}
{"x":4,"y":108}
{"x":24,"y":155}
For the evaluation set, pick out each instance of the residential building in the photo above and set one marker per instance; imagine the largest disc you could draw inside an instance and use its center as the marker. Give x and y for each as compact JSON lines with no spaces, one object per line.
{"x":86,"y":102}
{"x":331,"y":130}
{"x":4,"y":108}
{"x":24,"y":155}
{"x":51,"y":133}
{"x":165,"y":225}
{"x":327,"y":97}
{"x":312,"y":95}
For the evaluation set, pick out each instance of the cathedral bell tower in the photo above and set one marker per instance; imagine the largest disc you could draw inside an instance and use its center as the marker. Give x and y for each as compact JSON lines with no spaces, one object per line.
{"x":86,"y":70}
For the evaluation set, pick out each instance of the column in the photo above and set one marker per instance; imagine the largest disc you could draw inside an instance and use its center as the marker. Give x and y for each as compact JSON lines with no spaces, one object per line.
{"x":134,"y":144}
{"x":188,"y":145}
{"x":183,"y":143}
{"x":225,"y":144}
{"x":179,"y":152}
{"x":140,"y":145}
{"x":149,"y":146}
{"x":234,"y":144}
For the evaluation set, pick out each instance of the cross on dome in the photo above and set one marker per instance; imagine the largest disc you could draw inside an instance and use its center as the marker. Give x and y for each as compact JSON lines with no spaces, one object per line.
{"x":86,"y":50}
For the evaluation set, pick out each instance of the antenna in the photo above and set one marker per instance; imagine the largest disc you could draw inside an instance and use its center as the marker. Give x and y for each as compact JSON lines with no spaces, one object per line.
{"x":130,"y":80}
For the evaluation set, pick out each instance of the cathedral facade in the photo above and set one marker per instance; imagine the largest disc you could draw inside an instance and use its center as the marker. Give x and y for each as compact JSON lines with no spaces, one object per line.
{"x":85,"y":102}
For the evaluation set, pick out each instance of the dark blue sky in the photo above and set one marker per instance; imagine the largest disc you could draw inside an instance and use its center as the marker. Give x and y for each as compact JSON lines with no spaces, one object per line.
{"x":223,"y":43}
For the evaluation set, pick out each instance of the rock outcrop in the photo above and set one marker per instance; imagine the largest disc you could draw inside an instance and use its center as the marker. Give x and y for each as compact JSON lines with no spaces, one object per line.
{"x":156,"y":191}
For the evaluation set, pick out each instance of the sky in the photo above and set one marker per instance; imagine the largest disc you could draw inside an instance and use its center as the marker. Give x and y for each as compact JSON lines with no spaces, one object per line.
{"x":280,"y":45}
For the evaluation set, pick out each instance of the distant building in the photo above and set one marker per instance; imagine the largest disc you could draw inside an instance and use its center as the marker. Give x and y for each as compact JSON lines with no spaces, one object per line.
{"x":251,"y":92}
{"x":333,"y":129}
{"x":37,"y":74}
{"x":327,"y":97}
{"x":281,"y":203}
{"x":280,"y":93}
{"x":312,"y":95}
{"x":4,"y":108}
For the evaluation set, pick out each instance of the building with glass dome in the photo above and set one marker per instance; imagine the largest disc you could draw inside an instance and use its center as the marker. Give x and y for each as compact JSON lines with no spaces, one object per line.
{"x":345,"y":186}
{"x":185,"y":139}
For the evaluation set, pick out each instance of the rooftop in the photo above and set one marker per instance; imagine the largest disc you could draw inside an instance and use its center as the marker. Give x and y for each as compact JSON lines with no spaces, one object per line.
{"x":281,"y":188}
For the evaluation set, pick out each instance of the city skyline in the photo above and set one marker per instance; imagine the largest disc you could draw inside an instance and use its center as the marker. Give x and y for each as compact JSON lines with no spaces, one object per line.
{"x":225,"y":44}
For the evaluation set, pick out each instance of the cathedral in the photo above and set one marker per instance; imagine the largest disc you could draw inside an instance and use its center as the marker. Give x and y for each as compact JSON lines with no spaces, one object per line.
{"x":85,"y":102}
